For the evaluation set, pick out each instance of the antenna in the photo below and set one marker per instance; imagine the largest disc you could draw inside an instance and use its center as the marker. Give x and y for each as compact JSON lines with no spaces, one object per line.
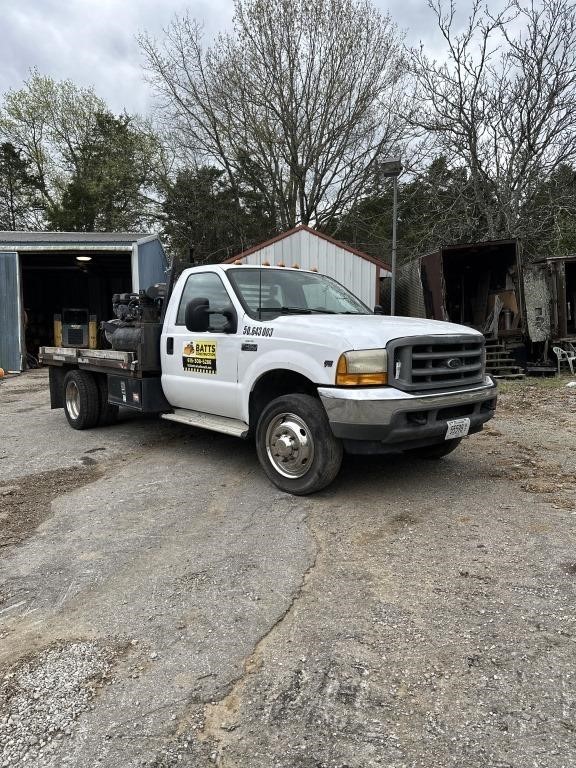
{"x":260,"y":285}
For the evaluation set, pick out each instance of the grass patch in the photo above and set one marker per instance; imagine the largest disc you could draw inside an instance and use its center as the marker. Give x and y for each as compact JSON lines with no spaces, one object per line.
{"x":538,"y":382}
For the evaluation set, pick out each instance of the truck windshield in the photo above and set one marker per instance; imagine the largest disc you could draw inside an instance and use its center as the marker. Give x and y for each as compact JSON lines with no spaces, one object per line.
{"x":267,"y":293}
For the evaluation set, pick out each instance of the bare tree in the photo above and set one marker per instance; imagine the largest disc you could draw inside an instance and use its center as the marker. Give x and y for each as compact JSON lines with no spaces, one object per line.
{"x":502,"y":104}
{"x":300,"y":101}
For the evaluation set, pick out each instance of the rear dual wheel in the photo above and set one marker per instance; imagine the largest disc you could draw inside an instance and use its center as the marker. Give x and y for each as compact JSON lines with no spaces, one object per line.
{"x":86,"y":400}
{"x":81,"y":400}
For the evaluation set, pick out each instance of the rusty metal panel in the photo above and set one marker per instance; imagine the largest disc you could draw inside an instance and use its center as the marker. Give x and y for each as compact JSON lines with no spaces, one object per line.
{"x":538,"y":300}
{"x":434,"y":286}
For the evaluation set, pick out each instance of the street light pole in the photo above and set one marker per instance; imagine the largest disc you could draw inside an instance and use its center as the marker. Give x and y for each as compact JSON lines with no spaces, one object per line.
{"x":393,"y":265}
{"x":393,"y":168}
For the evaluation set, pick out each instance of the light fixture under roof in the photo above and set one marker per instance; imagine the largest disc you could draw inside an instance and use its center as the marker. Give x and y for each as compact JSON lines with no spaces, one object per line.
{"x":83,"y":258}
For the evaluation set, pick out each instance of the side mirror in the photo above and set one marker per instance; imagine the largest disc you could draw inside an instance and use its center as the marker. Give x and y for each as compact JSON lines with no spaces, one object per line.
{"x":378,"y":310}
{"x":197,"y":316}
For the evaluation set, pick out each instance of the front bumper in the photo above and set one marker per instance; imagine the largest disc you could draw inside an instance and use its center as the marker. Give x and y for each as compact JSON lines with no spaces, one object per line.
{"x":400,"y":420}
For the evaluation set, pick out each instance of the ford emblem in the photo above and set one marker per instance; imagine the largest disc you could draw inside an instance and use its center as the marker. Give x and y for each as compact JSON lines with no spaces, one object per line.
{"x":454,"y":362}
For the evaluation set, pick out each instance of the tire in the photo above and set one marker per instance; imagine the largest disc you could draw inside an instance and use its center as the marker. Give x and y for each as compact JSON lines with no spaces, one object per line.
{"x":296,"y":446}
{"x":436,"y":451}
{"x":108,"y":413}
{"x":81,"y":399}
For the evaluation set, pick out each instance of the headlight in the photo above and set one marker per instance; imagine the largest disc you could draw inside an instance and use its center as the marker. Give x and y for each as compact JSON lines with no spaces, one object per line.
{"x":363,"y":367}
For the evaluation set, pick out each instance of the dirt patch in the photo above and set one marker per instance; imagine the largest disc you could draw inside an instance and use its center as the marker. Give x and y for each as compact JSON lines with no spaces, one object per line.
{"x":25,"y":504}
{"x":538,"y":399}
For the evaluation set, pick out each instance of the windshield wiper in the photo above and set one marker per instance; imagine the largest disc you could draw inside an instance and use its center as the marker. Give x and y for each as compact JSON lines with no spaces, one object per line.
{"x":297,"y":310}
{"x":286,"y":310}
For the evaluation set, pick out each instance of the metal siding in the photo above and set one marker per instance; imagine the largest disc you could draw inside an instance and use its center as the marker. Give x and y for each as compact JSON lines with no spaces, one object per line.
{"x":10,"y":313}
{"x":305,"y":251}
{"x":311,"y":252}
{"x":409,"y":290}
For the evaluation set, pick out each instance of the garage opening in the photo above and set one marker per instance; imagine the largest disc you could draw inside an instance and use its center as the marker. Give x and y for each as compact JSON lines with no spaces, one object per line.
{"x":73,"y":285}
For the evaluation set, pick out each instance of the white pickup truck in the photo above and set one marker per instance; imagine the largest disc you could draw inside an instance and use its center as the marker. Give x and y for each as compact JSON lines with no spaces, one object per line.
{"x":287,"y":356}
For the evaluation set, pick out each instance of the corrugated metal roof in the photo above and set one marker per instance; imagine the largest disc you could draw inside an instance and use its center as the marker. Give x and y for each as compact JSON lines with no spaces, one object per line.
{"x":82,"y":238}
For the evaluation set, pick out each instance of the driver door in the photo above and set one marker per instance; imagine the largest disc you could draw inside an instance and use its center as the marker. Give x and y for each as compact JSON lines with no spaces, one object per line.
{"x":200,"y":369}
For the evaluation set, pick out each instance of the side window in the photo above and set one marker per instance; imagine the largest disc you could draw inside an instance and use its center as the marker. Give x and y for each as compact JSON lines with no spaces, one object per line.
{"x":207,"y":285}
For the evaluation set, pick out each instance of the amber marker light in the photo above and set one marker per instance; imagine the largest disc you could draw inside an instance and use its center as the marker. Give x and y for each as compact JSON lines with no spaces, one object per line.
{"x":362,"y":368}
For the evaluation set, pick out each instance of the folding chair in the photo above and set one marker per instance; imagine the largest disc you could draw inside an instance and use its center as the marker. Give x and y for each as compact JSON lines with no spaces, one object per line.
{"x":565,"y":356}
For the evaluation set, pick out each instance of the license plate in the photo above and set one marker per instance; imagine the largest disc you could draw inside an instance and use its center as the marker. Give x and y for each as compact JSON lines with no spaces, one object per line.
{"x":457,"y":428}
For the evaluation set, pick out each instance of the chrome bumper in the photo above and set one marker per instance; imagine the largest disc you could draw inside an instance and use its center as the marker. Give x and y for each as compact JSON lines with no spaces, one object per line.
{"x":384,"y":413}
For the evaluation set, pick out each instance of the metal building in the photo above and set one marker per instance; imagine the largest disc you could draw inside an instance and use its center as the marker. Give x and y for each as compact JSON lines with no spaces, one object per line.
{"x":43,"y":274}
{"x":308,"y":249}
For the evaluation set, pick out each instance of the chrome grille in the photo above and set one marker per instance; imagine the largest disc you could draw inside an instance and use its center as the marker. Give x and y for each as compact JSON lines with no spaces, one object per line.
{"x":435,"y":362}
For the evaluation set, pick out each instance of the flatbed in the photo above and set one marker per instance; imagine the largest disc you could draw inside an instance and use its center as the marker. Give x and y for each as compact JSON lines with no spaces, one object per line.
{"x":97,"y":360}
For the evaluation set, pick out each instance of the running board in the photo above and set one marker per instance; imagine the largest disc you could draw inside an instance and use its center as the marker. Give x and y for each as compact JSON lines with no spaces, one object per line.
{"x":208,"y":421}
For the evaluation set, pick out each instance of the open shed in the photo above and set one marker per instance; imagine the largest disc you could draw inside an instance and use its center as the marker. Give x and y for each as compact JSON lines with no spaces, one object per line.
{"x":464,"y":284}
{"x":67,"y":275}
{"x":308,"y":249}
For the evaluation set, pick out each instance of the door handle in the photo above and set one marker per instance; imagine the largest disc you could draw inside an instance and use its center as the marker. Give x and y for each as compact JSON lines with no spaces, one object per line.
{"x":169,"y":345}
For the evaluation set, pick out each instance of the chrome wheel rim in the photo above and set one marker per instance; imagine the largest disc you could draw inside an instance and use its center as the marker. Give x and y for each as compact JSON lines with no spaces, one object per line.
{"x":289,"y":445}
{"x":73,"y":399}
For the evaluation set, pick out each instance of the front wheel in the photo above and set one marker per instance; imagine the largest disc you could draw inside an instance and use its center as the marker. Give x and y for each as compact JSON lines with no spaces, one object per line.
{"x":296,"y":446}
{"x":436,"y":451}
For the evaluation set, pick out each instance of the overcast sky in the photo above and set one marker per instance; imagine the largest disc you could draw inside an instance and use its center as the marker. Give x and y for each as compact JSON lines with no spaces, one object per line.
{"x":92,"y":42}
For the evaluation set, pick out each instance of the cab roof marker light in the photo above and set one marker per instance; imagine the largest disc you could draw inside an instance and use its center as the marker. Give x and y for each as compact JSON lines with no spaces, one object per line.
{"x":295,"y":266}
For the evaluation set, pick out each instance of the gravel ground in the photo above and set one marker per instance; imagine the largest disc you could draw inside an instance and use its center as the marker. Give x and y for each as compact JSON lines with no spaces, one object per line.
{"x":415,"y":615}
{"x":42,"y":698}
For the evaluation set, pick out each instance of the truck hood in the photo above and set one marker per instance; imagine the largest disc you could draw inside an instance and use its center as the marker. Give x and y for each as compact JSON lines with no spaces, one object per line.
{"x":367,"y":331}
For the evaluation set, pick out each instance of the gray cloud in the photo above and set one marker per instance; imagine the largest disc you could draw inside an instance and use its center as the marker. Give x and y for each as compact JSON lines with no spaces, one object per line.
{"x":93,"y":42}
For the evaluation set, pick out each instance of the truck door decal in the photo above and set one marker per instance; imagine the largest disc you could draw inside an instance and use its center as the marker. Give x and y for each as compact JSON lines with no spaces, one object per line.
{"x":200,"y":357}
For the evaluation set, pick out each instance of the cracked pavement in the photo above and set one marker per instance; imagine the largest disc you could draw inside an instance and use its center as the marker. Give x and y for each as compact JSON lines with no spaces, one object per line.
{"x":414,"y":614}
